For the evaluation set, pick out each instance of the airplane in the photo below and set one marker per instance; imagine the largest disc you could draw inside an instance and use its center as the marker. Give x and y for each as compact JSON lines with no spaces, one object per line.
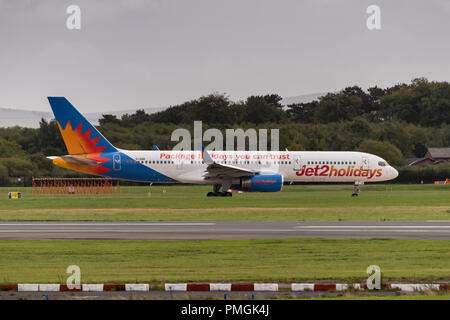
{"x":248,"y":171}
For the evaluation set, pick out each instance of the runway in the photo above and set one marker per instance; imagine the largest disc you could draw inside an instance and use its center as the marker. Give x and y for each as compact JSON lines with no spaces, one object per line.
{"x":222,"y":230}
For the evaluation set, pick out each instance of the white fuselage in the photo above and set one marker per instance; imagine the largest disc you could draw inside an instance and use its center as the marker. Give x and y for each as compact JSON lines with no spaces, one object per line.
{"x":294,"y":166}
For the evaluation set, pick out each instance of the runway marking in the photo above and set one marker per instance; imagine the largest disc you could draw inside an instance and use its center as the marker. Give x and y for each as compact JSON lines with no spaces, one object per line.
{"x":136,"y":231}
{"x":112,"y":224}
{"x":379,"y":230}
{"x":372,"y":227}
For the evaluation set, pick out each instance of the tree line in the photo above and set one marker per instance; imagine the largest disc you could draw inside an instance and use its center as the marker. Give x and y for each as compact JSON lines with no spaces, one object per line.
{"x":421,"y":102}
{"x":395,"y":123}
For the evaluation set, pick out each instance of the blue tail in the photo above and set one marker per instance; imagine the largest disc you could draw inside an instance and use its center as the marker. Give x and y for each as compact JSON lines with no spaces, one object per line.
{"x":76,"y":139}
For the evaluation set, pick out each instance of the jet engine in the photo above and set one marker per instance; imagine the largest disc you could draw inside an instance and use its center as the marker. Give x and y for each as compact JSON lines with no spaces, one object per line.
{"x":262,"y":183}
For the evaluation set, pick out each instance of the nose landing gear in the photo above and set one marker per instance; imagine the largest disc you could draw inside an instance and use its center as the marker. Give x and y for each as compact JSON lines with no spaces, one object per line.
{"x":356,"y":189}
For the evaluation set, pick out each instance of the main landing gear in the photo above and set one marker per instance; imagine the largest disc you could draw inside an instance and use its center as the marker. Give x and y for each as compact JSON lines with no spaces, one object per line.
{"x":216,"y":192}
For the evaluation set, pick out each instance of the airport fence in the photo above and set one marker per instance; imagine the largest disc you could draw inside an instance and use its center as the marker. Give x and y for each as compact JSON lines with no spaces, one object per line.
{"x":75,"y":185}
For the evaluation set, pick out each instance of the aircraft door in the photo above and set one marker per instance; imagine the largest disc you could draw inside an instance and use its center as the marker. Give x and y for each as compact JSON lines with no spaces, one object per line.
{"x":365,"y":164}
{"x":297,"y":163}
{"x":117,"y":165}
{"x":179,"y":163}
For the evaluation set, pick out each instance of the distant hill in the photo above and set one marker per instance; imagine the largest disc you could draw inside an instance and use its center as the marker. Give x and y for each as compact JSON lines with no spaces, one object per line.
{"x":23,"y":118}
{"x":302,"y":98}
{"x":30,"y":119}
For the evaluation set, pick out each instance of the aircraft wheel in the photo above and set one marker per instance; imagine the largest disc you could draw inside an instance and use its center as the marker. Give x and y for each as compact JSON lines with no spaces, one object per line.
{"x":228,"y":194}
{"x":210,"y":194}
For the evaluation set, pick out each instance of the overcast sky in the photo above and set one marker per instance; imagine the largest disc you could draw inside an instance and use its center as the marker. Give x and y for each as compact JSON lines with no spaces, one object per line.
{"x":154,"y":53}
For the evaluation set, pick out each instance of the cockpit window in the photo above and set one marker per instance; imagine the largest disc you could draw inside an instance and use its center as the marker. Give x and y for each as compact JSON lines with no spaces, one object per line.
{"x":382,"y":164}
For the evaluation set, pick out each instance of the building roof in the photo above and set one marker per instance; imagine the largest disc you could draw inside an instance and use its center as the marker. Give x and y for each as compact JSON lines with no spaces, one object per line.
{"x":408,"y":161}
{"x":415,"y":161}
{"x":439,"y":152}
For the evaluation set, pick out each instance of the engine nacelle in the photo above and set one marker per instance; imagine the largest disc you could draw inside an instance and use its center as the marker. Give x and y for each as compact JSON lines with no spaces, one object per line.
{"x":262,"y":183}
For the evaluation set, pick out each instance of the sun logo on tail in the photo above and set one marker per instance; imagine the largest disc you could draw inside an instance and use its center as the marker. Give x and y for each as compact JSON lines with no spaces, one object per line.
{"x":81,"y":145}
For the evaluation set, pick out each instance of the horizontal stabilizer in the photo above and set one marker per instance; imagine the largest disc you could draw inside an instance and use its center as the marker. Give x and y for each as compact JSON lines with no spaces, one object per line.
{"x":77,"y":160}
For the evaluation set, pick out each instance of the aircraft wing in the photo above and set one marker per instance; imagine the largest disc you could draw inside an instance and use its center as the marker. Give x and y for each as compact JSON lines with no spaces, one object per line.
{"x":220,"y":170}
{"x":77,"y":160}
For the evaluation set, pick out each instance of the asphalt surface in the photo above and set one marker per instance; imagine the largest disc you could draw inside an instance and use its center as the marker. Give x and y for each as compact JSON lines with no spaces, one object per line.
{"x":222,"y":230}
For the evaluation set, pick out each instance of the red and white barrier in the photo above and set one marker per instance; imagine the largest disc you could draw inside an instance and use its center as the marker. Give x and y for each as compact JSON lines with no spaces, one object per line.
{"x":49,"y":287}
{"x":28,"y":287}
{"x":266,"y":287}
{"x":220,"y":287}
{"x":137,"y":287}
{"x":92,"y":287}
{"x":176,"y":286}
{"x":302,"y":287}
{"x":272,"y":287}
{"x":410,"y":287}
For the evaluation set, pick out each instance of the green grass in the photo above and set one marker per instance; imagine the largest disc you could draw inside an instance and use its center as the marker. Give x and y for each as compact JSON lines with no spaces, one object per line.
{"x":189,"y":203}
{"x":281,"y":260}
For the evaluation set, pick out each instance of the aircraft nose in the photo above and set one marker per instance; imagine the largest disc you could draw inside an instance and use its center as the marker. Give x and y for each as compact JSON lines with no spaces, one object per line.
{"x":394,"y":173}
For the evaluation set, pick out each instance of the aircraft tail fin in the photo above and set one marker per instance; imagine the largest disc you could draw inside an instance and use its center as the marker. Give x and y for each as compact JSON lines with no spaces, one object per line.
{"x":79,"y":135}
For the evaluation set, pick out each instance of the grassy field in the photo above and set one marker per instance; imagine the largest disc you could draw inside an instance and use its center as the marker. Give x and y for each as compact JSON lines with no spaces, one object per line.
{"x":281,"y":260}
{"x":284,"y":260}
{"x":189,"y":203}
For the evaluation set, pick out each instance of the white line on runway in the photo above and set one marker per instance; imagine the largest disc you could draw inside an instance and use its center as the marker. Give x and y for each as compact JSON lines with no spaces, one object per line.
{"x":379,"y":230}
{"x":112,"y":224}
{"x":372,"y":227}
{"x":135,"y":231}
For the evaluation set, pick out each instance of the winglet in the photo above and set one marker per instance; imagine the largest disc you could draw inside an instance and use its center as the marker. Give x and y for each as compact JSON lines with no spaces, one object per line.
{"x":206,"y":157}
